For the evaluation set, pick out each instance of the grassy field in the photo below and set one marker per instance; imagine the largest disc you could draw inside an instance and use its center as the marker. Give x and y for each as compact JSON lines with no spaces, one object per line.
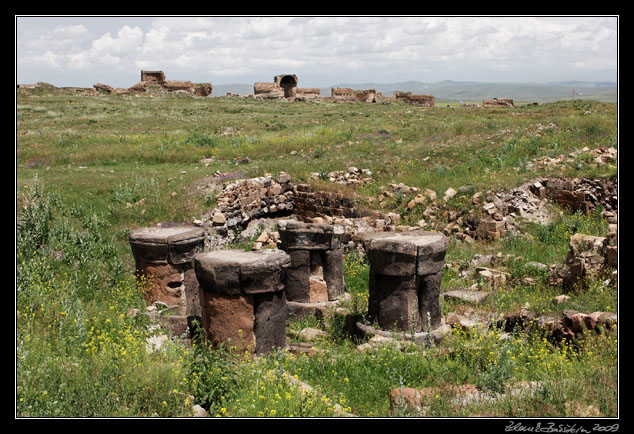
{"x":90,"y":168}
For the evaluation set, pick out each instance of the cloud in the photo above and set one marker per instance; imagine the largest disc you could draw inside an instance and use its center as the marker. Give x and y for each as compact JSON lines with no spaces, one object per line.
{"x":338,"y":48}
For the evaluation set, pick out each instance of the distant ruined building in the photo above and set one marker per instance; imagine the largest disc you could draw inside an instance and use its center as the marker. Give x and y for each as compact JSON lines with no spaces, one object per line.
{"x":155,"y":81}
{"x":284,"y":86}
{"x":408,"y":97}
{"x":498,"y":102}
{"x":345,"y":94}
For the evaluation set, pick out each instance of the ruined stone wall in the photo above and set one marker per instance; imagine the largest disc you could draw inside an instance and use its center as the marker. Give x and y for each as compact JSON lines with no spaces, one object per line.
{"x":368,"y":95}
{"x":310,"y":204}
{"x":498,"y":102}
{"x":155,"y":80}
{"x":424,"y":100}
{"x":242,"y":200}
{"x":267,"y":90}
{"x":408,"y":97}
{"x":343,"y":94}
{"x":152,"y":76}
{"x":307,"y":93}
{"x":584,"y":194}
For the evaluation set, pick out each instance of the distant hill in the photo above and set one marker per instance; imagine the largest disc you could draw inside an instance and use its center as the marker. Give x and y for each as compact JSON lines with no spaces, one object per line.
{"x":449,"y":90}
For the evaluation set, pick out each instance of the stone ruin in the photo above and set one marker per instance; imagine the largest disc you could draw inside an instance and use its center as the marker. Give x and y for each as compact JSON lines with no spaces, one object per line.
{"x":405,"y":275}
{"x":406,"y":262}
{"x":155,"y":81}
{"x":498,"y":102}
{"x":164,"y":258}
{"x":316,"y":271}
{"x":244,"y":297}
{"x":247,"y":296}
{"x":344,"y":94}
{"x":283,"y":86}
{"x":164,"y":265}
{"x":589,"y":257}
{"x":420,"y":100}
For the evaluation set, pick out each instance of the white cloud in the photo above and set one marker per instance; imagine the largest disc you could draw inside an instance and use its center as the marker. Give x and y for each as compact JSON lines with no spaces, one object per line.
{"x":256,"y":48}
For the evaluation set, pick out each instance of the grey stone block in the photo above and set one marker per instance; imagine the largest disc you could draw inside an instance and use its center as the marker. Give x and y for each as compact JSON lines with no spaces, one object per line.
{"x":334,"y":273}
{"x":270,"y":321}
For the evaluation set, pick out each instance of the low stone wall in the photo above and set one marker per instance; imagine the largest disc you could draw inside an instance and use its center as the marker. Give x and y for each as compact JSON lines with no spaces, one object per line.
{"x":307,"y":93}
{"x":408,"y":97}
{"x":245,"y":199}
{"x":583,"y":194}
{"x":310,"y":204}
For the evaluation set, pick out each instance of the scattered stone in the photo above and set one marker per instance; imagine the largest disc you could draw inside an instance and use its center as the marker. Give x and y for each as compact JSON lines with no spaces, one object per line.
{"x":155,"y":343}
{"x":562,"y":299}
{"x":449,"y":193}
{"x":198,"y":411}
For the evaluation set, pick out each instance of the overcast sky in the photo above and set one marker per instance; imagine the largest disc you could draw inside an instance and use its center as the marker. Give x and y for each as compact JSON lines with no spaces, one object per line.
{"x":321,"y":51}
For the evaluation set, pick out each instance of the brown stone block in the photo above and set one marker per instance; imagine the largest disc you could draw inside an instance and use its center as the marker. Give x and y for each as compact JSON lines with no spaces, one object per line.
{"x":317,"y":290}
{"x":230,"y":317}
{"x":164,"y":284}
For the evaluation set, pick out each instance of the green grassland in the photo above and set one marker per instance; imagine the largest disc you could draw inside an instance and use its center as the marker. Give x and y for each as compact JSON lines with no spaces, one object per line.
{"x":90,"y":168}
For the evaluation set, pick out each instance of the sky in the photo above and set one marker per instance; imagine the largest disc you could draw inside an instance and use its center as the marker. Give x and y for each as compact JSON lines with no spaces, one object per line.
{"x":321,"y":50}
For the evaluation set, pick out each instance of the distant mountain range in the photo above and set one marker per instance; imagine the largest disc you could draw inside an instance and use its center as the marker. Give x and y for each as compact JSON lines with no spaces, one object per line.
{"x":449,"y":90}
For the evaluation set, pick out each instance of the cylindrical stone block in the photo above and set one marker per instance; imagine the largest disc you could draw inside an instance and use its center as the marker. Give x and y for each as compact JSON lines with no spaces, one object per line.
{"x":244,"y":297}
{"x":405,"y":275}
{"x":164,"y":258}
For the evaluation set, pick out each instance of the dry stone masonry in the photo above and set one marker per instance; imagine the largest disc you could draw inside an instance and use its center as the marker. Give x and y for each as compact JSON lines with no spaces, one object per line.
{"x":164,"y":258}
{"x":405,"y":274}
{"x":246,"y":199}
{"x":316,"y":270}
{"x":244,"y":297}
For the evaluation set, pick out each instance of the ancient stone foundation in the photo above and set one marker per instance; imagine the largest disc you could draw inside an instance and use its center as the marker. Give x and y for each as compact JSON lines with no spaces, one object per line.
{"x":405,"y":274}
{"x":164,"y":259}
{"x":316,"y":270}
{"x":244,"y":297}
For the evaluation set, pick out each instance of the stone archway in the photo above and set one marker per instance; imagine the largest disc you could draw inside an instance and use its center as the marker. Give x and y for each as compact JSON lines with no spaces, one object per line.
{"x":289,"y":84}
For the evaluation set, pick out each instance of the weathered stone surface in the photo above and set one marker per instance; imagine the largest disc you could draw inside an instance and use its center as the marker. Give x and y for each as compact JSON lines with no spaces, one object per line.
{"x":270,"y":321}
{"x":244,"y":297}
{"x":334,"y":273}
{"x":318,"y":290}
{"x":405,"y":274}
{"x":315,"y":251}
{"x":406,"y":253}
{"x":164,"y":284}
{"x":232,"y":272}
{"x":429,"y":301}
{"x":192,"y":291}
{"x":309,"y":236}
{"x":177,"y":245}
{"x":297,"y":275}
{"x":230,"y":317}
{"x":394,"y":302}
